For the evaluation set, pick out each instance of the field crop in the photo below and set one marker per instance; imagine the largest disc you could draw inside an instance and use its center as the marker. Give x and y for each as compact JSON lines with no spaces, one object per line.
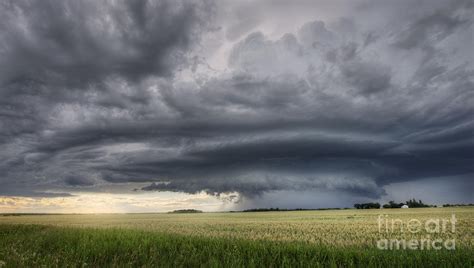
{"x":261,"y":239}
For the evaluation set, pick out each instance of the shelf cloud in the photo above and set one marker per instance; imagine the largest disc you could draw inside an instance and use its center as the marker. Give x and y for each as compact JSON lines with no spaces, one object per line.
{"x":189,"y":96}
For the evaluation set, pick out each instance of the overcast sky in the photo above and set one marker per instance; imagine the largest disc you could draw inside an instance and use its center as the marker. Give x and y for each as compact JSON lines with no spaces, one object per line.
{"x":153,"y":105}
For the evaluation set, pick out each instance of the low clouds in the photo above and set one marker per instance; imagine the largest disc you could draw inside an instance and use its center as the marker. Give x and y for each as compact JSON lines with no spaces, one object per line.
{"x":99,"y":94}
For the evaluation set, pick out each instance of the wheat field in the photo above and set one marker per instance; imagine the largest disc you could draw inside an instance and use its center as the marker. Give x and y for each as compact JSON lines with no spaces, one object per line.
{"x":294,"y":238}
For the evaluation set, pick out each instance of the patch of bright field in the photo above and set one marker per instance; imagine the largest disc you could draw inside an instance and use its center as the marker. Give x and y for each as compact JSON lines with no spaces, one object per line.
{"x":329,"y":227}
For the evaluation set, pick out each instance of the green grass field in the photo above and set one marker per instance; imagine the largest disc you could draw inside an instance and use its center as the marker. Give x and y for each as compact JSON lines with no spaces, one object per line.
{"x":265,"y":239}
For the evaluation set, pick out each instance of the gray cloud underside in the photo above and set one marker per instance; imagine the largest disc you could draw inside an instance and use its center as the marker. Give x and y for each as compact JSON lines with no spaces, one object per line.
{"x":92,"y":94}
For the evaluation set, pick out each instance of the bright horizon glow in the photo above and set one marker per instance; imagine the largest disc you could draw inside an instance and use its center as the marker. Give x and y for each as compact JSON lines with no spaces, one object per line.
{"x":90,"y":203}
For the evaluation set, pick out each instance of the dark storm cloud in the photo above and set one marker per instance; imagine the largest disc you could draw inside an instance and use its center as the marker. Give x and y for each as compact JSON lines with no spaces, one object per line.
{"x":105,"y":93}
{"x":50,"y":48}
{"x":79,"y":42}
{"x":367,"y":78}
{"x":27,"y":193}
{"x":434,"y":27}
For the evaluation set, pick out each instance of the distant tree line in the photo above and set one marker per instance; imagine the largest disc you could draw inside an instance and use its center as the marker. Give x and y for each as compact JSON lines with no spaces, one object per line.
{"x":457,"y":205}
{"x":284,"y":209}
{"x":269,"y":209}
{"x":186,"y":211}
{"x":367,"y":205}
{"x":392,"y":204}
{"x":414,"y":204}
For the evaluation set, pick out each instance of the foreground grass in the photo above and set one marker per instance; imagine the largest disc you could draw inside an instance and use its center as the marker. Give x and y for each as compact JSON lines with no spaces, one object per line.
{"x":50,"y":246}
